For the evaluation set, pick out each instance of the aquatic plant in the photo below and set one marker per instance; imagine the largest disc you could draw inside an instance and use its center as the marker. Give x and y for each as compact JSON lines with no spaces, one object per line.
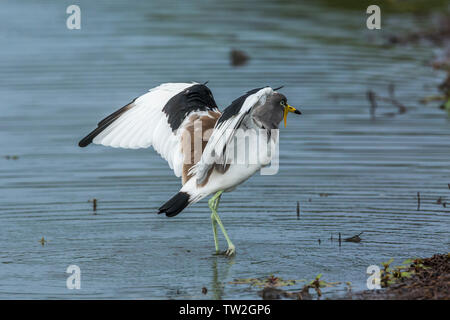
{"x":267,"y":281}
{"x":391,"y":275}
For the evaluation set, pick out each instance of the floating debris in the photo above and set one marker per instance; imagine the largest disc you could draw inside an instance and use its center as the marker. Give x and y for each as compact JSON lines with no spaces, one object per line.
{"x":418,"y":201}
{"x":318,"y":241}
{"x":43,"y":241}
{"x":393,"y":100}
{"x":440,"y":201}
{"x":373,"y":97}
{"x":339,"y":239}
{"x":298,"y":210}
{"x":348,"y":286}
{"x":204,"y":290}
{"x":324,"y":194}
{"x":355,"y":238}
{"x":238,"y":58}
{"x":8,"y":157}
{"x":373,"y":103}
{"x":94,"y":204}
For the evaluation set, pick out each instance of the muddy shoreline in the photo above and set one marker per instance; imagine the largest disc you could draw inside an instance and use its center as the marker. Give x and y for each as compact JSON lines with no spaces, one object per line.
{"x":430,"y":282}
{"x":414,"y":279}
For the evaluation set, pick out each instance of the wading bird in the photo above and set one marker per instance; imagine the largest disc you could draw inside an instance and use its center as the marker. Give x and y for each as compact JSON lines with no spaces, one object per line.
{"x":168,"y":118}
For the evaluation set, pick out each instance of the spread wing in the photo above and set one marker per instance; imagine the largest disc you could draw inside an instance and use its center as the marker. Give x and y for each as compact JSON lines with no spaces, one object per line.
{"x":225,"y":129}
{"x":155,"y":119}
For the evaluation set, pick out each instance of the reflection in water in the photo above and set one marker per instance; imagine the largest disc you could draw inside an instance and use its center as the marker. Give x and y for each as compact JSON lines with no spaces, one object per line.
{"x":220,"y":276}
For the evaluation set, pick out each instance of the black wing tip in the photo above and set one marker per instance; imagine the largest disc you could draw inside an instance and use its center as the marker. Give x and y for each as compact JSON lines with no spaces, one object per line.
{"x":102,"y":125}
{"x":90,"y":137}
{"x":84,"y":142}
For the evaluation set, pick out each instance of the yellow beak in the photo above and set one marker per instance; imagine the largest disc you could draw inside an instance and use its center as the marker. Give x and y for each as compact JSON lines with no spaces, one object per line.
{"x":288,"y":109}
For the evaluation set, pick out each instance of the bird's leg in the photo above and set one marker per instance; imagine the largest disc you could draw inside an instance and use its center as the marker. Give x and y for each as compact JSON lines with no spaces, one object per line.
{"x":214,"y":225}
{"x":212,"y":205}
{"x":215,"y":200}
{"x":231,"y":248}
{"x":215,"y":219}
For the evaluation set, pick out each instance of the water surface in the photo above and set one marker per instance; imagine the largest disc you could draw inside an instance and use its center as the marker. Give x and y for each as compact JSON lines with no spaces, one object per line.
{"x":350,"y":173}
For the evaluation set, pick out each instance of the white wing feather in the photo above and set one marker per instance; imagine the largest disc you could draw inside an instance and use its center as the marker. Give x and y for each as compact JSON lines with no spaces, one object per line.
{"x":223,"y":134}
{"x":146,"y":125}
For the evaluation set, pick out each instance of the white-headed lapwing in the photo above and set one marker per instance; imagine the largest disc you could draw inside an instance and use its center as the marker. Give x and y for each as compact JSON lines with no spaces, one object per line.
{"x":172,"y":116}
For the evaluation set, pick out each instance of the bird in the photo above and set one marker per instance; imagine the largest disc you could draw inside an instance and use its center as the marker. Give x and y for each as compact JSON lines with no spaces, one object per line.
{"x":182,"y":122}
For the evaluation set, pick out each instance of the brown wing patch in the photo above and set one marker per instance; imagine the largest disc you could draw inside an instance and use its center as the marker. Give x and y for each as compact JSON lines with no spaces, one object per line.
{"x":192,"y":143}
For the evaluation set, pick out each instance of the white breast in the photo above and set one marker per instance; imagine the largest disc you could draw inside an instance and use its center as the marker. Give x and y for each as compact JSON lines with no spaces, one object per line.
{"x":258,"y":154}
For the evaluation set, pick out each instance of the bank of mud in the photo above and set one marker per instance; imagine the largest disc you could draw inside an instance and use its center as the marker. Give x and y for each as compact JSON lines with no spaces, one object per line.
{"x":428,"y":279}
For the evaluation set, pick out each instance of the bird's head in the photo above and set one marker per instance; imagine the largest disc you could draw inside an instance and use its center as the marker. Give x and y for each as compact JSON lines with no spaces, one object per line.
{"x":281,"y":107}
{"x":274,"y":109}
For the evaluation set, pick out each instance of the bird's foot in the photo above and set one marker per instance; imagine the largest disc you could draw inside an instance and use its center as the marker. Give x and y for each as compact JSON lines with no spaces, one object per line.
{"x":231,"y":251}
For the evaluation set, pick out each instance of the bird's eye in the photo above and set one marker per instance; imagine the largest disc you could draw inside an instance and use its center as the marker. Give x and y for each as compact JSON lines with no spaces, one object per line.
{"x":282,"y":103}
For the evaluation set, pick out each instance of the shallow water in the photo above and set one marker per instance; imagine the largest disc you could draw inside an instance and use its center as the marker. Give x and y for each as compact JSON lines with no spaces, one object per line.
{"x":350,"y":173}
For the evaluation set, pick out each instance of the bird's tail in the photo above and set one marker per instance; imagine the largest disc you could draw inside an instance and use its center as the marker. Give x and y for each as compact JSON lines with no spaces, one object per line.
{"x":176,"y":204}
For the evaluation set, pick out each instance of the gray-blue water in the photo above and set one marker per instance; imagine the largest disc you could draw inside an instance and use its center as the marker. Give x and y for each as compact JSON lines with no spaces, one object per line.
{"x":350,"y":174}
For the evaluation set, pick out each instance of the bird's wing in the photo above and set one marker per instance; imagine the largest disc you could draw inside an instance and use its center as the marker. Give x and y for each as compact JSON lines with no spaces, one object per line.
{"x":225,"y":129}
{"x":154,"y":119}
